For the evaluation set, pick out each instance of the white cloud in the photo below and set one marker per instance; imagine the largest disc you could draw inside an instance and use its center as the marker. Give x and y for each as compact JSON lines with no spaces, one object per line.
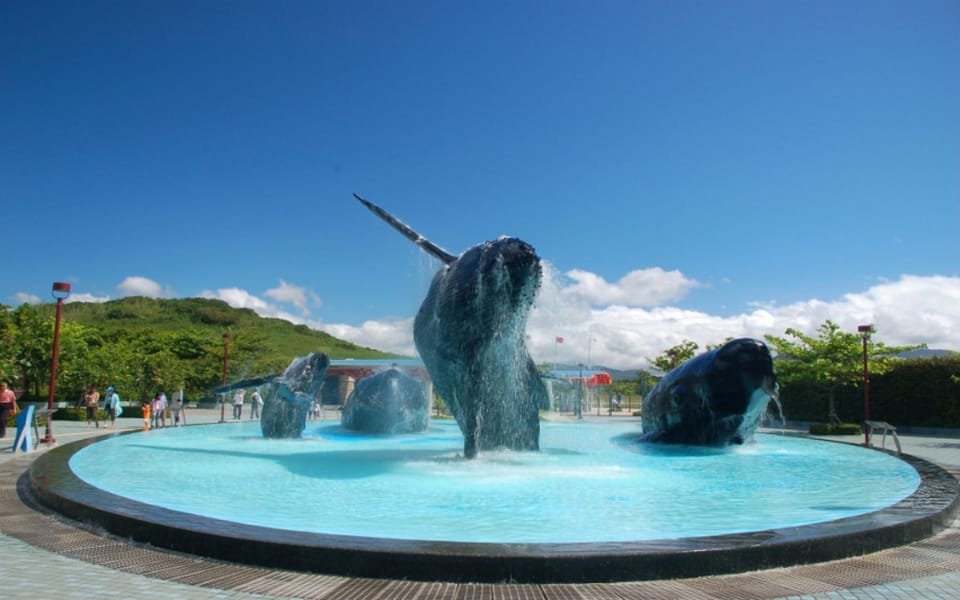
{"x":85,"y":297}
{"x":141,"y":286}
{"x":300,"y":297}
{"x":642,"y":287}
{"x":390,"y":336}
{"x":25,"y":298}
{"x":239,"y":298}
{"x":394,"y":336}
{"x":913,"y":309}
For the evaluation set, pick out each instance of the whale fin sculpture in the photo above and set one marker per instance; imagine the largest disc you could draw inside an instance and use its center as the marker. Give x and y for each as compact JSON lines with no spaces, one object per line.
{"x":244,"y":384}
{"x":469,"y":332}
{"x":714,"y":399}
{"x":287,"y":402}
{"x":431,"y":248}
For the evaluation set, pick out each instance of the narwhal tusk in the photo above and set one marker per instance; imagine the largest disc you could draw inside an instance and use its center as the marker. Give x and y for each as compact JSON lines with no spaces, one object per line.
{"x":431,"y":248}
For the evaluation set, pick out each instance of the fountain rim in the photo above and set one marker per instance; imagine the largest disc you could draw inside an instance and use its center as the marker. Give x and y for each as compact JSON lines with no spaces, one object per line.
{"x":928,"y":510}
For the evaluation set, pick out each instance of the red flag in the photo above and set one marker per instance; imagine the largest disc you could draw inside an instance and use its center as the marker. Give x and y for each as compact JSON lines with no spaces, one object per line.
{"x":559,"y":340}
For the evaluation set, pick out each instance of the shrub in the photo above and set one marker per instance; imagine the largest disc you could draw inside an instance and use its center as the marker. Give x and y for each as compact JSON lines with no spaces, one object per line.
{"x":80,"y":414}
{"x":74,"y":414}
{"x":835,"y":429}
{"x":132,"y":412}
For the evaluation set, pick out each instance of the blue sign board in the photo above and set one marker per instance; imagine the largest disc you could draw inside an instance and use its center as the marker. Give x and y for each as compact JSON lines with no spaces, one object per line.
{"x":23,"y":442}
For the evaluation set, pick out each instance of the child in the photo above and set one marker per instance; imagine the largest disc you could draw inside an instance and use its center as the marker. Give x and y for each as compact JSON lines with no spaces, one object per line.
{"x":145,"y":405}
{"x":177,"y":409}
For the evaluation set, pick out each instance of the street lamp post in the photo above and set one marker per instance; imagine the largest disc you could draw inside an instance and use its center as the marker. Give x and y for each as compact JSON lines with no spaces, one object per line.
{"x":226,"y":351}
{"x":577,"y":409}
{"x":590,"y":368}
{"x":865,"y":331}
{"x":60,"y":291}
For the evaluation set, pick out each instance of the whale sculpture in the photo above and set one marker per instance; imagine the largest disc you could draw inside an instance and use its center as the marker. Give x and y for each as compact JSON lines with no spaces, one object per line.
{"x":289,"y":396}
{"x":288,"y":400}
{"x":388,"y":402}
{"x":714,"y":399}
{"x":469,"y":332}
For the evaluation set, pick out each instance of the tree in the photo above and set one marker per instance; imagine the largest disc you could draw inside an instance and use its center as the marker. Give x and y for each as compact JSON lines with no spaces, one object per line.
{"x":720,"y":345}
{"x":675,"y":356}
{"x":80,"y":361}
{"x":8,"y":351}
{"x":833,"y":359}
{"x":32,"y":340}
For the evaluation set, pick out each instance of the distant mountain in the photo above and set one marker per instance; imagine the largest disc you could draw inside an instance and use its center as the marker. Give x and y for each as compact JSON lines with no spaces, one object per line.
{"x":615,"y":374}
{"x":925,"y":353}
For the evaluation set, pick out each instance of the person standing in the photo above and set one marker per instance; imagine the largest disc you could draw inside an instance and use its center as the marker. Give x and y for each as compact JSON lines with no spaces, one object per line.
{"x":92,"y":401}
{"x":238,"y":404}
{"x":256,"y":403}
{"x":155,"y":412}
{"x":163,"y":409}
{"x":178,"y":411}
{"x":8,"y":406}
{"x":110,"y":405}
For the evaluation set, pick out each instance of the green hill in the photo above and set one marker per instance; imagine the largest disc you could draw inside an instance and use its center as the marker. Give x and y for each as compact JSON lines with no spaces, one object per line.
{"x":281,"y":340}
{"x":142,"y":345}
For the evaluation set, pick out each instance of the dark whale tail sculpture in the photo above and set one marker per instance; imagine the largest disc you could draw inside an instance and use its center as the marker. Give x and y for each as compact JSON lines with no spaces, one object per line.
{"x":470,"y":334}
{"x":714,"y":399}
{"x":291,"y":393}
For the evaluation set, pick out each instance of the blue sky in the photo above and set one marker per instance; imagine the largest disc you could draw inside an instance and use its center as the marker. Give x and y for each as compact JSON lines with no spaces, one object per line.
{"x":686,"y":170}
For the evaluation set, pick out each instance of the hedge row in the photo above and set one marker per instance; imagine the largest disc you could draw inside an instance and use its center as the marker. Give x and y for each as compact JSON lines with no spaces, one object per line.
{"x":835,"y":429}
{"x":917,"y":392}
{"x":80,"y":414}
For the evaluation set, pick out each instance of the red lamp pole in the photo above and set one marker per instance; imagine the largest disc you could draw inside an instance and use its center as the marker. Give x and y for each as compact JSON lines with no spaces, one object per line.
{"x":865,"y":331}
{"x":578,"y":408}
{"x":226,"y":351}
{"x":60,"y":291}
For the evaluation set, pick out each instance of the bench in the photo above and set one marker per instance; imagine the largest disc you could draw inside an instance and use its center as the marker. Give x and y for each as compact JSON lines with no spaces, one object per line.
{"x":886,"y":428}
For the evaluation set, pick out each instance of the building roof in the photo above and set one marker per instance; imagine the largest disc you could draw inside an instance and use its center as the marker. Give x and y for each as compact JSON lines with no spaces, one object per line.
{"x":376,"y":362}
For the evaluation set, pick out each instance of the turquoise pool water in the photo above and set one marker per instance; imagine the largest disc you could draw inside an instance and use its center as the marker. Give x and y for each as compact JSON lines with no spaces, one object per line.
{"x":591,"y":482}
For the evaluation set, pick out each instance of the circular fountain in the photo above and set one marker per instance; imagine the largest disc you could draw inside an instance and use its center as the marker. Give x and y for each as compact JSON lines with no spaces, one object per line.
{"x":592,"y":505}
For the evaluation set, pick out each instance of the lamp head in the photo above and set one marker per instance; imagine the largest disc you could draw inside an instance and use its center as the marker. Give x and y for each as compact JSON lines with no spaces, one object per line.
{"x":61,"y":290}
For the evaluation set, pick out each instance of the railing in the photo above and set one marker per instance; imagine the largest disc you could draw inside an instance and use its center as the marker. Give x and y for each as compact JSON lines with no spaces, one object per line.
{"x":885,"y":427}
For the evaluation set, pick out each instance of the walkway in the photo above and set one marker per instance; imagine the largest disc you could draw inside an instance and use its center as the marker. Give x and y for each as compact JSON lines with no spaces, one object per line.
{"x":46,"y":556}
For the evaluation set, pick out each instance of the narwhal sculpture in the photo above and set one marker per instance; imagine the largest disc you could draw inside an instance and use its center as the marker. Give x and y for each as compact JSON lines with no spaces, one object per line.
{"x":469,"y":332}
